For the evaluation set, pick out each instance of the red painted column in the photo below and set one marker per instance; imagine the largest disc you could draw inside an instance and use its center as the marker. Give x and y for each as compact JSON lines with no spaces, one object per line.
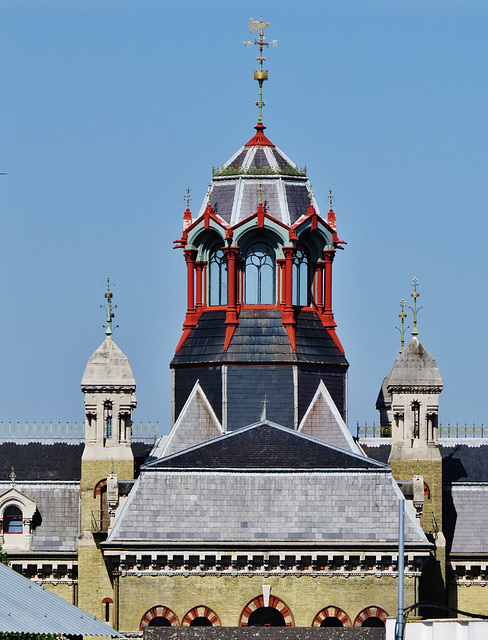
{"x":287,"y":313}
{"x":231,"y":319}
{"x":281,"y":281}
{"x":231,"y":253}
{"x":199,"y":273}
{"x":319,"y":286}
{"x":328,"y":258}
{"x":190,"y":255}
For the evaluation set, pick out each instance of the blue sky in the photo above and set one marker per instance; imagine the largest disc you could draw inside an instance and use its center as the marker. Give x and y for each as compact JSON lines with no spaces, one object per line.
{"x":110,"y":109}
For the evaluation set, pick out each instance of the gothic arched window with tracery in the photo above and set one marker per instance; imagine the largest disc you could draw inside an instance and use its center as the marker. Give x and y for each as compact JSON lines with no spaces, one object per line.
{"x":300,"y":278}
{"x":218,"y":278}
{"x":260,"y":274}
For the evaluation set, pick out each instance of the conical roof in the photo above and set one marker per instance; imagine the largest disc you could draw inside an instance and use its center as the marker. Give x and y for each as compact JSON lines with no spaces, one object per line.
{"x":108,"y":367}
{"x":259,"y":172}
{"x":415,"y":367}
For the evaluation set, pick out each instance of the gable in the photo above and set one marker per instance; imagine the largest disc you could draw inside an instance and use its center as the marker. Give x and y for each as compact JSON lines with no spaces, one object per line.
{"x":323,"y":421}
{"x":196,"y":423}
{"x":265,"y":445}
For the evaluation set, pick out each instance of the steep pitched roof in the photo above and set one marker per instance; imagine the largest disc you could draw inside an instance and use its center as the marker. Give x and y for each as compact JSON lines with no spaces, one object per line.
{"x":265,"y":445}
{"x":108,"y":366}
{"x":323,"y":421}
{"x":196,"y":423}
{"x":415,"y":367}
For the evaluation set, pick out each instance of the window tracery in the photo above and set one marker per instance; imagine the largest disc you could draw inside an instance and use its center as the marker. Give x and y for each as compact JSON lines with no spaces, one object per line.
{"x":260,"y":278}
{"x":218,"y":277}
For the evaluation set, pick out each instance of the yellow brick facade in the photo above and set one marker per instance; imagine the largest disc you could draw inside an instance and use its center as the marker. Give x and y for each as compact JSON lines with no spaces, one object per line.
{"x":227,"y":595}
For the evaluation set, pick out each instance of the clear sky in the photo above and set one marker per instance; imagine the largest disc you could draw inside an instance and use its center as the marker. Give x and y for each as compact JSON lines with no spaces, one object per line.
{"x":111,"y":108}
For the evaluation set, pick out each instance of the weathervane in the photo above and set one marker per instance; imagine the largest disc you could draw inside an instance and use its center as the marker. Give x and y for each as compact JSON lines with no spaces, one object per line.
{"x":261,"y":74}
{"x":187,"y":197}
{"x":331,"y":197}
{"x":402,"y":317}
{"x":415,"y":295}
{"x":109,"y":307}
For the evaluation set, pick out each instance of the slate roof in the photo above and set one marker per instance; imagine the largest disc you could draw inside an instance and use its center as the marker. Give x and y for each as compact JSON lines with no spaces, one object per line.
{"x":259,"y":337}
{"x":466,"y":518}
{"x":56,"y":523}
{"x":286,"y":488}
{"x":38,"y":461}
{"x":56,"y":461}
{"x":266,"y":446}
{"x":46,"y":612}
{"x":264,"y":169}
{"x":461,"y":462}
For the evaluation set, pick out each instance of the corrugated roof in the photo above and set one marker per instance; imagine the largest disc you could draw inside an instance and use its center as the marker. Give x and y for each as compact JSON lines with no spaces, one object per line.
{"x":25,"y":607}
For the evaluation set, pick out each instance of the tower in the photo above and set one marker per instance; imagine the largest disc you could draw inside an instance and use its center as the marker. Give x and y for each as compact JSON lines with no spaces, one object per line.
{"x":259,"y":327}
{"x":109,"y":389}
{"x":408,"y":402}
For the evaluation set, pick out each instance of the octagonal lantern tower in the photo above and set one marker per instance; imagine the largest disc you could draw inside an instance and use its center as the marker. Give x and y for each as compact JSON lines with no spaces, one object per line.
{"x":259,"y":332}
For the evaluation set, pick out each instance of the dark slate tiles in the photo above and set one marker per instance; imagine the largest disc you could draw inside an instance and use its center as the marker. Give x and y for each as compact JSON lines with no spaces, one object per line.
{"x":260,"y":159}
{"x":282,"y":162}
{"x":239,"y":159}
{"x":462,"y":462}
{"x":298,"y":202}
{"x":223,"y":199}
{"x":267,"y":447}
{"x":38,"y":461}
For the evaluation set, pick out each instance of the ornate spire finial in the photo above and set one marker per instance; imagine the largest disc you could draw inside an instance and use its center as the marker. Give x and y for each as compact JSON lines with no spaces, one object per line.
{"x":414,"y":310}
{"x":187,"y":197}
{"x":402,"y":315}
{"x":109,"y":307}
{"x":331,"y":198}
{"x":260,"y":75}
{"x":12,"y":476}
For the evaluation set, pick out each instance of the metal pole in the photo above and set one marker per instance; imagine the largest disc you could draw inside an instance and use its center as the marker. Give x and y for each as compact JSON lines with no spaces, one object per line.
{"x":401,"y":568}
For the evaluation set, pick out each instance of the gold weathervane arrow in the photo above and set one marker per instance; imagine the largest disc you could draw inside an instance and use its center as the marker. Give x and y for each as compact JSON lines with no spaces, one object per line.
{"x":261,"y":74}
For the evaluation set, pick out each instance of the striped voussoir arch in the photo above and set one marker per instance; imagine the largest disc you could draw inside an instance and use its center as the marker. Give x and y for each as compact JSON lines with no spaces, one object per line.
{"x":370,"y":612}
{"x":158,"y":612}
{"x":332,"y":612}
{"x":274,"y":602}
{"x":201,"y":612}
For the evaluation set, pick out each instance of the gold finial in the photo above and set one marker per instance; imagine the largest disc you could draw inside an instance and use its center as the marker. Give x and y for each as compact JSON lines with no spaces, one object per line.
{"x":331,"y":197}
{"x":414,"y":310}
{"x":187,"y":197}
{"x":260,"y":75}
{"x":260,"y":193}
{"x":402,"y":315}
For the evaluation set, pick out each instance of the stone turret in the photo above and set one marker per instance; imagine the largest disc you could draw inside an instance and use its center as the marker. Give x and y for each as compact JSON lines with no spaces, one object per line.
{"x":109,"y":388}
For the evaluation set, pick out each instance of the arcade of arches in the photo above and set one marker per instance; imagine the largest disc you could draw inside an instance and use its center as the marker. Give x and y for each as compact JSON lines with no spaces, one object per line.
{"x":258,"y":613}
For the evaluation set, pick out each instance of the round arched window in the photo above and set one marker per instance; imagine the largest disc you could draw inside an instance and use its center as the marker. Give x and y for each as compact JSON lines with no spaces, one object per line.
{"x":260,"y":274}
{"x":12,"y":520}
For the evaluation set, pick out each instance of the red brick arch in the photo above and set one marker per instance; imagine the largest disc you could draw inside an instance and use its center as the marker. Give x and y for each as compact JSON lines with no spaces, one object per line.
{"x":99,"y":486}
{"x":258,"y":602}
{"x":158,"y":612}
{"x":201,"y":612}
{"x":332,"y":612}
{"x":370,"y":612}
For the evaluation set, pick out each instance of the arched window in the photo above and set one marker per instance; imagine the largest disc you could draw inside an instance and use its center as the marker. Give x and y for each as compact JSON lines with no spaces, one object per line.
{"x":107,"y":419}
{"x":416,"y":418}
{"x":260,"y":274}
{"x":218,"y":278}
{"x":300,"y":278}
{"x":12,"y":520}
